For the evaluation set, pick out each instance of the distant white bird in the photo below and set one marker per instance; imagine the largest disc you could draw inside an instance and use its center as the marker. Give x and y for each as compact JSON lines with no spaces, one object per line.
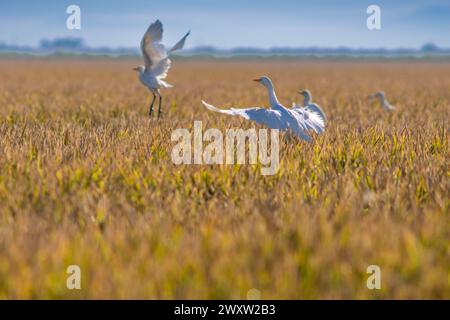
{"x":277,"y":117}
{"x":157,"y":62}
{"x":384,"y":102}
{"x":312,"y":114}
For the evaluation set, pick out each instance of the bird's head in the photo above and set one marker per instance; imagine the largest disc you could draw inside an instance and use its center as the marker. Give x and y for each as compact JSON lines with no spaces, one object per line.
{"x":265,"y":81}
{"x":305,"y":93}
{"x":379,"y":95}
{"x":306,"y":96}
{"x":139,"y":69}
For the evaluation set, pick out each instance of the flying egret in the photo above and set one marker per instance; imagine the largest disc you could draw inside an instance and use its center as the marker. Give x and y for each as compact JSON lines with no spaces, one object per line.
{"x":312,"y":114}
{"x":276,"y":117}
{"x":157,"y":62}
{"x":384,"y":102}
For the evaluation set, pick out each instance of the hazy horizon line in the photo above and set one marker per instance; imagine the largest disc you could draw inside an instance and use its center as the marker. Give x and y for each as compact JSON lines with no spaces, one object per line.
{"x":77,"y":45}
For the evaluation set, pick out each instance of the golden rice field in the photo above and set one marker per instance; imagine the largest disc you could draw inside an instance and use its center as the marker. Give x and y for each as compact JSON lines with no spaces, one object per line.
{"x":87,"y":179}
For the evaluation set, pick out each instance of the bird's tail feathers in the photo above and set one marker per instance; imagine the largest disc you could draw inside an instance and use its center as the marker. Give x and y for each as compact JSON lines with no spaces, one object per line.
{"x":165,"y":84}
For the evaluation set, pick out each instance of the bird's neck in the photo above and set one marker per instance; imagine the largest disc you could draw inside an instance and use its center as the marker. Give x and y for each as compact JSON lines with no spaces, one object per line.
{"x":272,"y":96}
{"x":306,"y":100}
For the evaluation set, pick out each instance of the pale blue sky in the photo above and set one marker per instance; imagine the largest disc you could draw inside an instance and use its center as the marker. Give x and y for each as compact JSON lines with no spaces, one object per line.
{"x":232,"y":23}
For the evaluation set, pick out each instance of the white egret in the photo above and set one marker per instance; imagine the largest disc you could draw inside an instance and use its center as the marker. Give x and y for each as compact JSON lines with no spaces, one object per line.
{"x":384,"y":102}
{"x":313,"y":115}
{"x":276,"y":117}
{"x":157,"y":62}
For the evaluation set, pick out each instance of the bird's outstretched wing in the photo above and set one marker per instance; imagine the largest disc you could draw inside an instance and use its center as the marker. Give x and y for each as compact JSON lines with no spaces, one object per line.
{"x":318,"y":110}
{"x":180,"y":44}
{"x":310,"y":118}
{"x":268,"y":117}
{"x":152,"y":49}
{"x":298,"y":125}
{"x":161,"y":68}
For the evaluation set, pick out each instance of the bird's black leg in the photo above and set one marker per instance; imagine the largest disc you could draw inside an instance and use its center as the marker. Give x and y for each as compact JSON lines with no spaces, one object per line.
{"x":159,"y":108}
{"x":150,"y":112}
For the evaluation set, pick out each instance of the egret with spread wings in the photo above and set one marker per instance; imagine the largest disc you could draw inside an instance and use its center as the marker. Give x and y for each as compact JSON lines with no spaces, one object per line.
{"x":157,"y":62}
{"x":276,"y":117}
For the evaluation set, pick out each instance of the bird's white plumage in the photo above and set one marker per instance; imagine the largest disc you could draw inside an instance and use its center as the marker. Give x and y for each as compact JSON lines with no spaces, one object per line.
{"x":313,"y":114}
{"x":384,"y":102}
{"x":311,"y":110}
{"x":156,"y":57}
{"x":311,"y":117}
{"x":152,"y":50}
{"x":277,"y":117}
{"x":267,"y":117}
{"x":157,"y":62}
{"x":180,"y":44}
{"x":161,"y":68}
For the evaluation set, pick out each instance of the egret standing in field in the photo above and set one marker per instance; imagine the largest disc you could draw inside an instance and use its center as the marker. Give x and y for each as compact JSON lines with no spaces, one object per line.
{"x":157,"y":62}
{"x":312,"y":114}
{"x":276,"y":117}
{"x":384,"y":102}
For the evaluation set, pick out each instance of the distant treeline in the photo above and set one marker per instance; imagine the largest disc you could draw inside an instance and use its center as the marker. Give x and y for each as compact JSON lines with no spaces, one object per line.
{"x":77,"y":46}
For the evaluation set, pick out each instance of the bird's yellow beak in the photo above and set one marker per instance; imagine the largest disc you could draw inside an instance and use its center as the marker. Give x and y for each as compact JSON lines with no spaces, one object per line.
{"x":135,"y":68}
{"x":257,"y":80}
